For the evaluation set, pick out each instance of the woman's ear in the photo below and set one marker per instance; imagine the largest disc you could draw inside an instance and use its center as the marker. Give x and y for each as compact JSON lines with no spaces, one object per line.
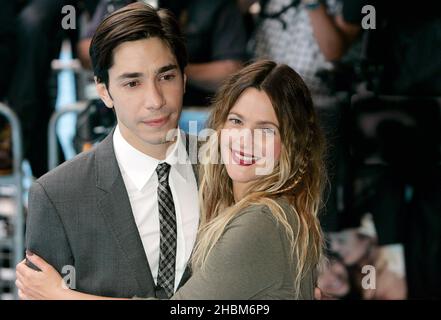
{"x":101,"y":88}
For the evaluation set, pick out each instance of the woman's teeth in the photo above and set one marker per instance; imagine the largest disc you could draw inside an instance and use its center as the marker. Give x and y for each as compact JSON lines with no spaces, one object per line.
{"x":244,"y":158}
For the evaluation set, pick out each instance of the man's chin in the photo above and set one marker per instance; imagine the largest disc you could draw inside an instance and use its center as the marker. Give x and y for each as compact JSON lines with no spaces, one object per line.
{"x":155,"y":140}
{"x":159,"y":139}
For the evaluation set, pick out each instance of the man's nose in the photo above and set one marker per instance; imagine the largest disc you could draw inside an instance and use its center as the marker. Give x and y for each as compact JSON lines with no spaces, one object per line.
{"x":154,"y":96}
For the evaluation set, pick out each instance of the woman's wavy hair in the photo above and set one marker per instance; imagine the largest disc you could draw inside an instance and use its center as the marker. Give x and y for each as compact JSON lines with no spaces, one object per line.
{"x":299,"y":176}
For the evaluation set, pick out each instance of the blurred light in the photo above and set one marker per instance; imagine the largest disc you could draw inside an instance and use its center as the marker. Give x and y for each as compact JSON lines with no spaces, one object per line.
{"x":255,"y":8}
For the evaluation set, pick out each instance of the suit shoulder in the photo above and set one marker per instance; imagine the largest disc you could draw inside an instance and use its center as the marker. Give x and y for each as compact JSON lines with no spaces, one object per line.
{"x":71,"y":172}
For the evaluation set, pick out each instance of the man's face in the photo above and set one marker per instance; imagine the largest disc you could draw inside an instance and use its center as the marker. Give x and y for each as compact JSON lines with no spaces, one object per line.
{"x":146,"y":88}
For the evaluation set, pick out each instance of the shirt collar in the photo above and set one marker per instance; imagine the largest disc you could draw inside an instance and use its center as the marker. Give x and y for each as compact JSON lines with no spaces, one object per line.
{"x":140,"y":167}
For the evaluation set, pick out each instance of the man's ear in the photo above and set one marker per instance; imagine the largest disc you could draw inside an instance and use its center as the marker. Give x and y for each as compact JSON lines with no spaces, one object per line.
{"x":185,"y":81}
{"x":104,"y":94}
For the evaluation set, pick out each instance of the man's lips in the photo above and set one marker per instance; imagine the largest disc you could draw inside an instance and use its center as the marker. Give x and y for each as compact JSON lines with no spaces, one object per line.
{"x":156,"y":122}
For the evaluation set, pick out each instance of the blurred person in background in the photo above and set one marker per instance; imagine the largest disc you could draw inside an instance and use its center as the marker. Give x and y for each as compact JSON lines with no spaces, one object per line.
{"x":358,"y":248}
{"x":216,"y":41}
{"x":403,"y":60}
{"x":7,"y":54}
{"x":7,"y":43}
{"x":308,"y":35}
{"x":334,"y":280}
{"x":405,"y":48}
{"x":38,"y":35}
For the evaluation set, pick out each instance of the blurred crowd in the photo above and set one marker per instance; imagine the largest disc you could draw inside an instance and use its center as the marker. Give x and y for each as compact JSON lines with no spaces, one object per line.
{"x":374,"y":70}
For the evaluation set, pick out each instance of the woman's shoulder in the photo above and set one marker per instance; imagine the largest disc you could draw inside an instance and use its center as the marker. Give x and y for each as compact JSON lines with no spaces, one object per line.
{"x":264,"y":209}
{"x":256,"y":229}
{"x":262,"y":215}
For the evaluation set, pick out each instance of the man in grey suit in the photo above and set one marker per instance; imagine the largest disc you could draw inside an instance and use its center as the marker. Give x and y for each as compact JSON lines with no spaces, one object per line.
{"x":124,"y":215}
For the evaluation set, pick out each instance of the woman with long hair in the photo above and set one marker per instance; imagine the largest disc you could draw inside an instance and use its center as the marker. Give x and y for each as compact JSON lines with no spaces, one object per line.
{"x":259,"y":235}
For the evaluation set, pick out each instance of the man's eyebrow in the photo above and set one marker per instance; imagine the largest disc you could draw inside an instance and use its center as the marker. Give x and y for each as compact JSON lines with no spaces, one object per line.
{"x":130,"y":75}
{"x":166,"y":68}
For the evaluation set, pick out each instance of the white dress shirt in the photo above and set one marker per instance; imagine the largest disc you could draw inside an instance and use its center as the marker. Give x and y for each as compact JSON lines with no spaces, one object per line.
{"x":139,"y":174}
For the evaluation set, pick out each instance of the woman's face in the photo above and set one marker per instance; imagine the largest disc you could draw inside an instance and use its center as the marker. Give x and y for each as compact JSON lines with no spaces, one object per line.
{"x":334,"y":280}
{"x":250,"y":138}
{"x":350,"y":246}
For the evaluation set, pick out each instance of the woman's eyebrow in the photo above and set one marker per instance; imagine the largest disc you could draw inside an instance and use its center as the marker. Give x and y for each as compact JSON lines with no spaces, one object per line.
{"x":236,"y":114}
{"x":260,"y":123}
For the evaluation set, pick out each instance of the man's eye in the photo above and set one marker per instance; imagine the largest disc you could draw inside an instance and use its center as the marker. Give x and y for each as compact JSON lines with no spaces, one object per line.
{"x":167,"y":77}
{"x":132,"y":84}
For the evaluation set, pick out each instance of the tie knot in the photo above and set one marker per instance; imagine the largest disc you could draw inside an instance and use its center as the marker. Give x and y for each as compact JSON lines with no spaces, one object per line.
{"x":163,"y":169}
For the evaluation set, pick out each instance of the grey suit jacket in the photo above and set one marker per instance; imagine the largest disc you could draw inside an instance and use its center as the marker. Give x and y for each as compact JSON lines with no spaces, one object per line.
{"x":80,"y":215}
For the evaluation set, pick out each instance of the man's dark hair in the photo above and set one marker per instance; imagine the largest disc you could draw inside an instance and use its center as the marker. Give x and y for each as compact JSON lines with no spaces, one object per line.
{"x":136,"y":21}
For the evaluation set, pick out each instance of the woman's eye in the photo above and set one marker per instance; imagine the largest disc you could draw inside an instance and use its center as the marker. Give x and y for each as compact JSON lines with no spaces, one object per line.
{"x":235,"y":121}
{"x":269,"y":130}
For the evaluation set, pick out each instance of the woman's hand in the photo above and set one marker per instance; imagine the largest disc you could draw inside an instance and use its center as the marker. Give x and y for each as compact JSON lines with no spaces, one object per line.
{"x":46,"y":284}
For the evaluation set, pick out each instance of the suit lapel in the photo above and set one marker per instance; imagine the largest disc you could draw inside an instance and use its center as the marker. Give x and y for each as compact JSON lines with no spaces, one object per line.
{"x":192,"y":146}
{"x":114,"y":205}
{"x":192,"y":149}
{"x":185,"y":276}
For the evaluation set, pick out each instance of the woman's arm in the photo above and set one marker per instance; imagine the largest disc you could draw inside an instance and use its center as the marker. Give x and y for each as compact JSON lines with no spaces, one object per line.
{"x":46,"y":284}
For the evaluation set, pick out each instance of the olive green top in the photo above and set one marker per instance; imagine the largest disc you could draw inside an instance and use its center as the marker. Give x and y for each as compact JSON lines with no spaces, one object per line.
{"x":251,"y":260}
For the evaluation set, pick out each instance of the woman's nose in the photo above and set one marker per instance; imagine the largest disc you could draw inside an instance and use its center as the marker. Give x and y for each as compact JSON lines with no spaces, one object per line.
{"x":245,"y":140}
